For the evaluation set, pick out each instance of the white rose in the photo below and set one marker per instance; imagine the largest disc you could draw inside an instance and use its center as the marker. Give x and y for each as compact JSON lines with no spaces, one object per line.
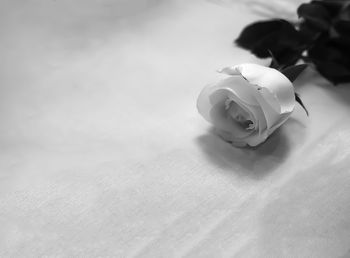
{"x":249,"y":105}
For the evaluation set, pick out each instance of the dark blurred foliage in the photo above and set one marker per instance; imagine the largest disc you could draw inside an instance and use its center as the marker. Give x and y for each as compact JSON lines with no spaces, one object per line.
{"x":321,"y":37}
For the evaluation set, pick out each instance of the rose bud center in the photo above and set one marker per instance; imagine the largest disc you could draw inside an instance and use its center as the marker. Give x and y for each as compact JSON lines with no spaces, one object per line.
{"x":239,"y":116}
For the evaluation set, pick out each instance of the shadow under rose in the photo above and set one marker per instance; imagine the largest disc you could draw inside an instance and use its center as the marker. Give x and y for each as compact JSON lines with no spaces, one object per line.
{"x":254,"y":162}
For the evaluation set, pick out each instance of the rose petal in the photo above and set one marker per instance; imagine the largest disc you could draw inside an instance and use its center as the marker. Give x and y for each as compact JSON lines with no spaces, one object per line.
{"x":227,"y":136}
{"x":262,"y":133}
{"x":274,"y":92}
{"x":236,"y":88}
{"x":256,"y":139}
{"x":253,"y":139}
{"x":234,"y":133}
{"x":276,"y":89}
{"x":203,"y":101}
{"x":230,"y":70}
{"x":259,"y":115}
{"x":272,"y":116}
{"x":221,"y":120}
{"x":240,"y":88}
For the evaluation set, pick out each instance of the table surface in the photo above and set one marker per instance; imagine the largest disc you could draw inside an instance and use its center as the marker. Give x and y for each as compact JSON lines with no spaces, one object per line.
{"x":103,"y":152}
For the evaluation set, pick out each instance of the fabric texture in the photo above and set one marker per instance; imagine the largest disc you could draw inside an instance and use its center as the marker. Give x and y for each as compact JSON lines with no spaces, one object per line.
{"x":103,"y":153}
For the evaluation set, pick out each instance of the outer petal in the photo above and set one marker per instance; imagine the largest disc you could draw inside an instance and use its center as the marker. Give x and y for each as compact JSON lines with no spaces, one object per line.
{"x":203,"y":101}
{"x":274,"y":92}
{"x":256,"y":139}
{"x":275,"y":87}
{"x":236,"y":88}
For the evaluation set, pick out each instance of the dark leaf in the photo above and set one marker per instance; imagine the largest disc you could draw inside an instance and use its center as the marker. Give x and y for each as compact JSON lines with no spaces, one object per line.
{"x":316,"y":15}
{"x":292,"y":72}
{"x":310,"y":31}
{"x":334,"y":72}
{"x":298,"y":99}
{"x":333,"y":7}
{"x":345,"y":13}
{"x":288,"y":57}
{"x":274,"y":63}
{"x":332,"y":59}
{"x":342,"y":27}
{"x":252,"y":34}
{"x":332,"y":50}
{"x":341,"y":43}
{"x":278,"y":36}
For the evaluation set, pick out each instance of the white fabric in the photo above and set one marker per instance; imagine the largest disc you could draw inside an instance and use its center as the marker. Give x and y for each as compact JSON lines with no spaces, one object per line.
{"x":103,"y":153}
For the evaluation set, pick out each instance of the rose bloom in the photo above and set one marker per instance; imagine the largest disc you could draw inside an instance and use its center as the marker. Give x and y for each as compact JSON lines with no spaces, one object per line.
{"x":249,"y":105}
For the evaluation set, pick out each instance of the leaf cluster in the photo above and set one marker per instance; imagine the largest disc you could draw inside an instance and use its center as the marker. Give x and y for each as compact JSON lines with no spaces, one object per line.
{"x":321,"y":37}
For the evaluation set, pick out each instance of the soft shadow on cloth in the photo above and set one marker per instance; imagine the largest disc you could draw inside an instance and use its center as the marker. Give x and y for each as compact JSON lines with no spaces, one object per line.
{"x":310,"y":211}
{"x":253,"y":162}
